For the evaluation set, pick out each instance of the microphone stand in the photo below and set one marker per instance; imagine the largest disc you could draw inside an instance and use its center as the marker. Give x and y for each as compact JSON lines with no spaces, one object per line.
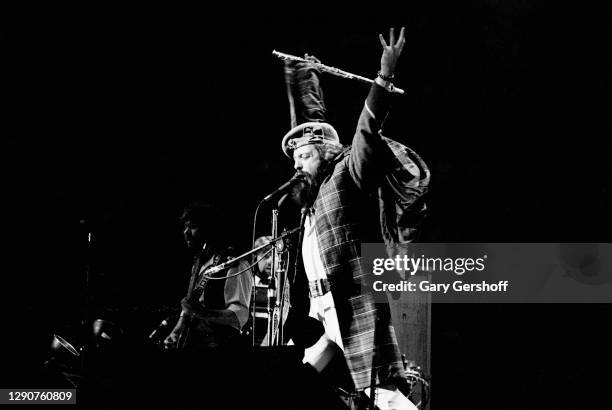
{"x":225,"y":265}
{"x":87,"y":316}
{"x":276,"y":283}
{"x":278,"y":286}
{"x":85,"y":320}
{"x":280,"y":270}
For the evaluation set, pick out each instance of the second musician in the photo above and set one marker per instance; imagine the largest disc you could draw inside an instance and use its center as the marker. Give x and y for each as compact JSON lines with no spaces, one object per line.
{"x":214,"y":310}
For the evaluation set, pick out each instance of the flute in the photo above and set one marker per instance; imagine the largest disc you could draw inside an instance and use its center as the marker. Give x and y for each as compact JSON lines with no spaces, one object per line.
{"x":332,"y":70}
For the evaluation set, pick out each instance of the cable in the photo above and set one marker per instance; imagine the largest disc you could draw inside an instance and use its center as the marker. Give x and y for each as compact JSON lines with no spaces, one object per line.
{"x":254,"y":289}
{"x":237,"y":273}
{"x":255,"y":223}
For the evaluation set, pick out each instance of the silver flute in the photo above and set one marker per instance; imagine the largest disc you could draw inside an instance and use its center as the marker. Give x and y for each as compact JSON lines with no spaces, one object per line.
{"x":332,"y":70}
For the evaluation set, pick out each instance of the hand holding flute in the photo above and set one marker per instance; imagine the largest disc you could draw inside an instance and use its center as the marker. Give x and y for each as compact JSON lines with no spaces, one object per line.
{"x":388,"y":61}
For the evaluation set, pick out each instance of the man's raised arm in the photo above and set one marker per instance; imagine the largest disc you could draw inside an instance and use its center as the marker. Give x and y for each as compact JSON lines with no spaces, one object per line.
{"x":370,"y":156}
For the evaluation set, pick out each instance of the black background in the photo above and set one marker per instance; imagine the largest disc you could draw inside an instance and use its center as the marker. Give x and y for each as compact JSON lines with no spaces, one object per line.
{"x":116,"y":117}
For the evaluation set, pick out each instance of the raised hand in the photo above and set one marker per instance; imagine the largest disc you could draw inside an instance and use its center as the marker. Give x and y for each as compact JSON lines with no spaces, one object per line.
{"x":391,"y":52}
{"x":312,"y":58}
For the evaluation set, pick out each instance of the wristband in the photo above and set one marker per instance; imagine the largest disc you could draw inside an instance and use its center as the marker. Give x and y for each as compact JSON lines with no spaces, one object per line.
{"x":387,"y":85}
{"x":384,"y":77}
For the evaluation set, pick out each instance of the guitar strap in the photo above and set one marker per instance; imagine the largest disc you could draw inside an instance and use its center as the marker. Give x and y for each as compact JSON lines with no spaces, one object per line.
{"x":195,"y":268}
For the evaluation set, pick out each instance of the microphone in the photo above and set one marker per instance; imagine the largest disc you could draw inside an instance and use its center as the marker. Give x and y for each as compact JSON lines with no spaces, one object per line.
{"x":296,"y":179}
{"x":219,"y":268}
{"x":161,"y":326}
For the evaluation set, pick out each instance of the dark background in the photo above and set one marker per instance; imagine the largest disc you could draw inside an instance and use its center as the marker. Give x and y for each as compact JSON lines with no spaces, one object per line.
{"x":116,"y":117}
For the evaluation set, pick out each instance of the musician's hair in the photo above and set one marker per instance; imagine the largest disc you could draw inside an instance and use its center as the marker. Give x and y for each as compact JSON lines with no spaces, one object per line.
{"x":262,"y":240}
{"x":200,"y":212}
{"x":329,"y":152}
{"x":212,"y":220}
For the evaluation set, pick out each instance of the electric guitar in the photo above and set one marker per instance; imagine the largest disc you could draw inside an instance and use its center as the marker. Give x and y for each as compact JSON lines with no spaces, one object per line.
{"x":195,"y":331}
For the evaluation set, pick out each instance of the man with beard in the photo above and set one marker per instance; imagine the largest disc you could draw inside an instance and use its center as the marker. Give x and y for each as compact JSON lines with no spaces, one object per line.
{"x":214,"y":310}
{"x":344,"y":195}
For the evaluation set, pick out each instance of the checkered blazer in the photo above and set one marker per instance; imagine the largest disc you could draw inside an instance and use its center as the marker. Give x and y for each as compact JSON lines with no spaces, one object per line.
{"x":356,"y":179}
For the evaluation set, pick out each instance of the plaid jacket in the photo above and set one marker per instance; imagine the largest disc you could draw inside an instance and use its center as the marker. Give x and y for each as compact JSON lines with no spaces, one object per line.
{"x":341,"y":220}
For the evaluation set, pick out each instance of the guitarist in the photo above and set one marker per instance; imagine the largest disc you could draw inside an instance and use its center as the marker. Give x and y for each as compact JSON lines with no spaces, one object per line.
{"x":214,"y":310}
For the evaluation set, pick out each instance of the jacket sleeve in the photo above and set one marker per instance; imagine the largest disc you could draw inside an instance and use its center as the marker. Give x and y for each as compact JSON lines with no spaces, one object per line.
{"x":306,"y":102}
{"x":370,"y":156}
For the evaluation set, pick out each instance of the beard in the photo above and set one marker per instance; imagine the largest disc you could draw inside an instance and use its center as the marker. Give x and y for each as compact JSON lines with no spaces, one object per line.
{"x":305,"y":193}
